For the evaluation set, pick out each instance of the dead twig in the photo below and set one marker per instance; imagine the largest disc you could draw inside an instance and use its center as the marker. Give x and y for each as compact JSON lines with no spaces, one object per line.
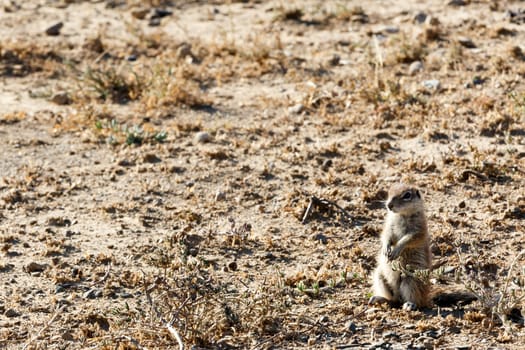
{"x":174,"y":332}
{"x":324,"y":204}
{"x":466,"y":173}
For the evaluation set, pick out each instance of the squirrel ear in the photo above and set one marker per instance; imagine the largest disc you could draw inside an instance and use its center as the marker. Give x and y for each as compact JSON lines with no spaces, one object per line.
{"x":418,"y":194}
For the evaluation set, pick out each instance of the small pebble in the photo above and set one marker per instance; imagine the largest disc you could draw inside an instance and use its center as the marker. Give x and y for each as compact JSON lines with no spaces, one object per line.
{"x":420,"y":17}
{"x":11,"y":313}
{"x":232,"y":266}
{"x":54,"y":30}
{"x":415,"y":67}
{"x":93,"y":293}
{"x":466,"y":42}
{"x":296,"y":109}
{"x":433,"y":84}
{"x":351,"y":326}
{"x":154,"y":22}
{"x":457,"y":3}
{"x":35,"y":267}
{"x":151,"y":158}
{"x":140,"y":13}
{"x":159,"y":13}
{"x":319,"y":237}
{"x":220,"y":196}
{"x":202,"y":137}
{"x":61,"y":99}
{"x":477,"y":80}
{"x":391,"y":30}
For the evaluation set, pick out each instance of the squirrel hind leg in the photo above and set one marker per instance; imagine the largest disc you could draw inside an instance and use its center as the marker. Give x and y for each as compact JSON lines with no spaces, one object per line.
{"x":383,"y":292}
{"x":414,"y":293}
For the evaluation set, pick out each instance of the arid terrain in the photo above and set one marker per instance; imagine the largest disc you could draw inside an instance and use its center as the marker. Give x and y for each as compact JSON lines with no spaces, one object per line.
{"x":212,"y":174}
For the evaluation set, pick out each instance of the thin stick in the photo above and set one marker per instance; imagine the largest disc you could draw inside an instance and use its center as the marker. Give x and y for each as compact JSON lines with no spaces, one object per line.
{"x":174,"y":333}
{"x":46,"y":326}
{"x":315,"y":201}
{"x":308,"y":210}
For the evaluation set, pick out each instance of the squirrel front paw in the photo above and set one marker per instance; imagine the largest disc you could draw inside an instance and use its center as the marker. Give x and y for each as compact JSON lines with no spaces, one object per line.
{"x":393,"y":253}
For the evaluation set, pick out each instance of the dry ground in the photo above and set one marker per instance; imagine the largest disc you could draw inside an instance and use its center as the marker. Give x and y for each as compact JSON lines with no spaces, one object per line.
{"x":157,"y":158}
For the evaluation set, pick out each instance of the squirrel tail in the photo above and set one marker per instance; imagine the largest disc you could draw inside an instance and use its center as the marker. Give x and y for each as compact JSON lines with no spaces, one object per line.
{"x":445,"y":299}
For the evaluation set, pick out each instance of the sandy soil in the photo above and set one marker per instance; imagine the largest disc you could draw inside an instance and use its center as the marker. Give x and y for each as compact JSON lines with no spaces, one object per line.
{"x":158,"y":157}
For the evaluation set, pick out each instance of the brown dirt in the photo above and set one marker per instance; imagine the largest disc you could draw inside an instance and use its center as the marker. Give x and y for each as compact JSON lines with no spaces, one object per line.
{"x":156,"y":169}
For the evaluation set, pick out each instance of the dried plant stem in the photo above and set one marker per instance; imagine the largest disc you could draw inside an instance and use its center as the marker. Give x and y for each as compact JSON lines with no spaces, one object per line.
{"x":500,"y":308}
{"x":174,"y":333}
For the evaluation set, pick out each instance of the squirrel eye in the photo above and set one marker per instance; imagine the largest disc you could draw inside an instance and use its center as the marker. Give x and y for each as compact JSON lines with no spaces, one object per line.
{"x":406,"y":196}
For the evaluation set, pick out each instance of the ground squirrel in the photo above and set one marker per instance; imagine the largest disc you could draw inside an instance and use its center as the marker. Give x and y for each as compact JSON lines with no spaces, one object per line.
{"x":404,"y":240}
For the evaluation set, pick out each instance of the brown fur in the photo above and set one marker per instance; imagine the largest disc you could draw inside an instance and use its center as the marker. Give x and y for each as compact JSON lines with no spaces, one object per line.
{"x":405,"y":240}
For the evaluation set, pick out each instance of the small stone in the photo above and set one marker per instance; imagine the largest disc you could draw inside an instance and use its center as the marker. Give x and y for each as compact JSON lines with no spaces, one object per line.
{"x":415,"y":67}
{"x":433,"y":84}
{"x":131,"y":58}
{"x":151,"y":158}
{"x":154,"y":22}
{"x":220,"y":196}
{"x":466,"y":42}
{"x":477,"y":80}
{"x":391,"y":30}
{"x":93,"y":293}
{"x":35,"y":267}
{"x":140,"y":13}
{"x":420,"y":17}
{"x":457,"y":3}
{"x":11,"y":313}
{"x":351,"y":326}
{"x":159,"y":13}
{"x":319,"y":237}
{"x":202,"y":137}
{"x":296,"y":109}
{"x":327,"y":163}
{"x":61,"y":99}
{"x":54,"y":30}
{"x":232,"y":266}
